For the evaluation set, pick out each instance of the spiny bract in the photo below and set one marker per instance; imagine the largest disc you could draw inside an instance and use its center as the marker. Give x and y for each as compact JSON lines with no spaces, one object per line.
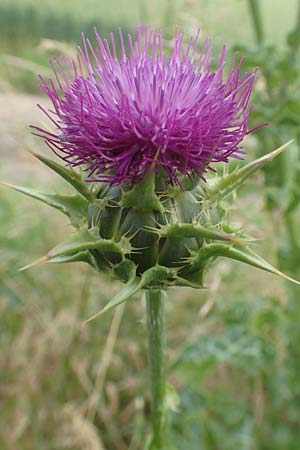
{"x":150,"y":236}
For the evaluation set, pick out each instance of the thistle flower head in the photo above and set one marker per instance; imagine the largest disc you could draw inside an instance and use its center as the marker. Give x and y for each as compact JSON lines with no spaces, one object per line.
{"x":120,"y":116}
{"x":148,"y":114}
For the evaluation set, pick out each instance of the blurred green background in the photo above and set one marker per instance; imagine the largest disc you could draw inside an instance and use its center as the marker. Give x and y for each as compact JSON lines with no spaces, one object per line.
{"x":233,"y":349}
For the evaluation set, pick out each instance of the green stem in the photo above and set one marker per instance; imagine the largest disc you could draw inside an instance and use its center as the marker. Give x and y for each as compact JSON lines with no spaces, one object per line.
{"x":256,"y":20}
{"x":156,"y":347}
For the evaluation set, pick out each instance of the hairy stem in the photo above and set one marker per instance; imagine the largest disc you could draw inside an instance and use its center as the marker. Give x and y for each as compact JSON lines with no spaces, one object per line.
{"x":156,"y":347}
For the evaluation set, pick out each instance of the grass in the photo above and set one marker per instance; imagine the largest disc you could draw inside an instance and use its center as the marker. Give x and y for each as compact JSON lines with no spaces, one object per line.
{"x":25,"y":23}
{"x":65,"y":20}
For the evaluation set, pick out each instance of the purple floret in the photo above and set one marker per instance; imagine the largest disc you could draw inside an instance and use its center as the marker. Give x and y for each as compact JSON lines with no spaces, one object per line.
{"x":119,"y":117}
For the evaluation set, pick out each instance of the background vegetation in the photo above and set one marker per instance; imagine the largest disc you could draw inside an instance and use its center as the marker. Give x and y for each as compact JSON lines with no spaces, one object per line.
{"x":233,"y":349}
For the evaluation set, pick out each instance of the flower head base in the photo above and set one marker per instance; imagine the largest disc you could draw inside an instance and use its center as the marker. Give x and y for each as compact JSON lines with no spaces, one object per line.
{"x":118,"y":117}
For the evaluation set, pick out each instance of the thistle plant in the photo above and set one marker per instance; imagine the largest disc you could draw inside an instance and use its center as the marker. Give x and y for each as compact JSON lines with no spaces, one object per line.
{"x":144,"y":131}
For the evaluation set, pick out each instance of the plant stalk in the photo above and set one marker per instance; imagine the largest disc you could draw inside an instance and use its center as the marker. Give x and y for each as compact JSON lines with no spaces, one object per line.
{"x":254,"y":8}
{"x":157,"y":374}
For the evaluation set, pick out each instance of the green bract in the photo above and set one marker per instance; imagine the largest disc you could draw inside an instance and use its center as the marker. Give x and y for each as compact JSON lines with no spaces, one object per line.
{"x":151,"y":236}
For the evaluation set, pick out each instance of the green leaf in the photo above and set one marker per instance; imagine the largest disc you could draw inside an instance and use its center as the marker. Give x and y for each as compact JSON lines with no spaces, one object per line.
{"x":243,"y":254}
{"x":229,"y":183}
{"x":157,"y":276}
{"x":86,"y":239}
{"x":83,"y":256}
{"x":193,"y":280}
{"x":128,"y":291}
{"x":142,"y":196}
{"x":192,"y":230}
{"x":73,"y":206}
{"x":235,"y":346}
{"x":68,"y":174}
{"x":125,"y":270}
{"x":83,"y":239}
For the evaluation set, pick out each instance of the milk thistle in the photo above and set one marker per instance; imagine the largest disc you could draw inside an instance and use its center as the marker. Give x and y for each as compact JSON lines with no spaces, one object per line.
{"x":145,"y":110}
{"x":145,"y":129}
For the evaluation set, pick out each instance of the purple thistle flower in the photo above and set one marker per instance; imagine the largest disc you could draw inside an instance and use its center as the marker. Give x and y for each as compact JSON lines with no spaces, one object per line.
{"x":118,"y":117}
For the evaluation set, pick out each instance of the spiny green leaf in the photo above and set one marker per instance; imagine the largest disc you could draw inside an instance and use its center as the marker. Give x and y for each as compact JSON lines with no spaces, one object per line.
{"x":194,"y":280}
{"x":157,"y":275}
{"x":74,"y":206}
{"x":68,"y":174}
{"x":228,"y":183}
{"x":83,"y":256}
{"x":243,"y":254}
{"x":125,"y":270}
{"x":128,"y":291}
{"x":83,"y":239}
{"x":142,"y":196}
{"x":192,"y":230}
{"x":241,"y":235}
